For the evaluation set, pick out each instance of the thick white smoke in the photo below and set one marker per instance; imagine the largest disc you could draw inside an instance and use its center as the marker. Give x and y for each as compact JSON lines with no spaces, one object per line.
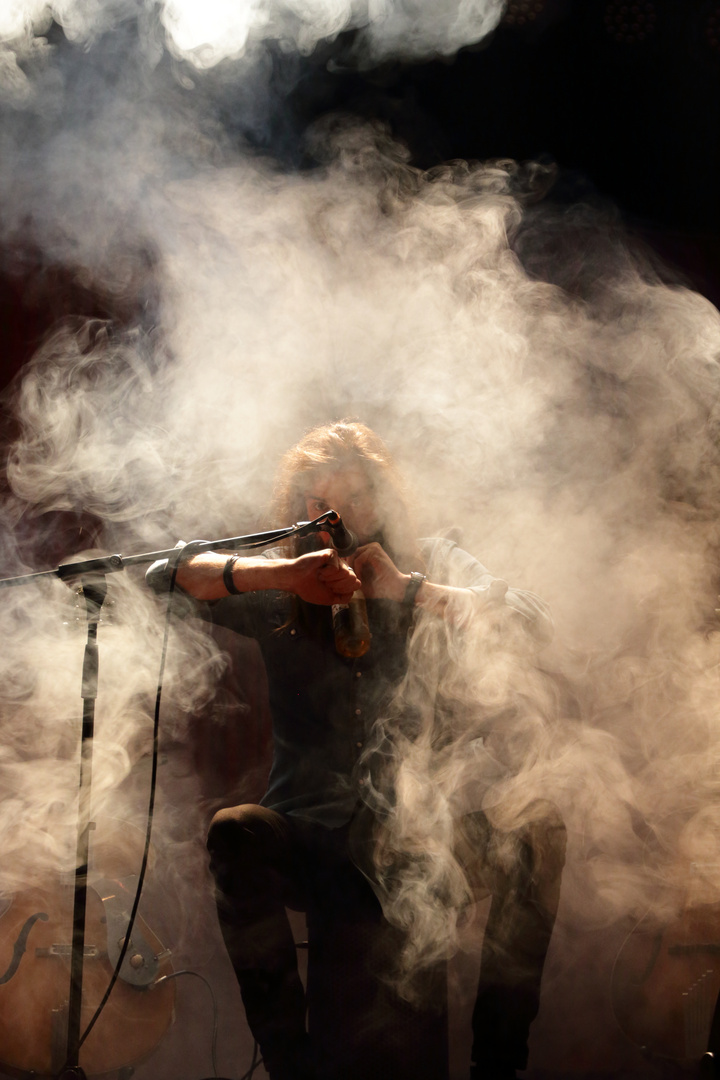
{"x":217,"y":30}
{"x":573,"y":438}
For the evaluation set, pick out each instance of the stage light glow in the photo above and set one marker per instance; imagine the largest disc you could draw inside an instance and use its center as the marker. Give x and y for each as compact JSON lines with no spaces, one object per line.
{"x":630,"y":24}
{"x":710,"y":28}
{"x":521,"y":12}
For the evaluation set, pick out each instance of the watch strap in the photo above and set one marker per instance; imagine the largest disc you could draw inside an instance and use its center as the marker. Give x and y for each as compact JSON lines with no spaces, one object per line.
{"x":411,"y":590}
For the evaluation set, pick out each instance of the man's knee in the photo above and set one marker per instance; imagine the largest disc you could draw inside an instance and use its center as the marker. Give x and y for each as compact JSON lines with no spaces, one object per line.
{"x":246,"y":835}
{"x":248,"y":823}
{"x":250,"y":847}
{"x":230,"y":829}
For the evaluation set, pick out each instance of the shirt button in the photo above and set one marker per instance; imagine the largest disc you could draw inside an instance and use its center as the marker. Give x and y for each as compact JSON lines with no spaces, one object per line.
{"x":358,"y":712}
{"x":358,"y":674}
{"x":293,"y":633}
{"x":358,"y":744}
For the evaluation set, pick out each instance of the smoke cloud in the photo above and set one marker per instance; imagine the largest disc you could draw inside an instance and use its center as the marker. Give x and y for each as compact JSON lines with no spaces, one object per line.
{"x":209,"y":33}
{"x":542,"y":385}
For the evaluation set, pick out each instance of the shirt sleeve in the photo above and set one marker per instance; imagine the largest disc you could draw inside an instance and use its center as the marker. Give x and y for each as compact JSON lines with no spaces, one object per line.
{"x":450,"y":565}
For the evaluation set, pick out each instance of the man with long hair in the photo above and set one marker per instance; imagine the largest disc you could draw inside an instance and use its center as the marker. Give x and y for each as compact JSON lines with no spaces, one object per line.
{"x":310,"y":844}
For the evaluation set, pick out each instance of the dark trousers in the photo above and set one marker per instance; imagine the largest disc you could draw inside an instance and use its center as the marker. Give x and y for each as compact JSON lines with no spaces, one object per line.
{"x":264,"y":862}
{"x":522,"y":871}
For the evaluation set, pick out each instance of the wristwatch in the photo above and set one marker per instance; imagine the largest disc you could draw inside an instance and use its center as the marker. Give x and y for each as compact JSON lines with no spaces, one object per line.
{"x":411,"y":590}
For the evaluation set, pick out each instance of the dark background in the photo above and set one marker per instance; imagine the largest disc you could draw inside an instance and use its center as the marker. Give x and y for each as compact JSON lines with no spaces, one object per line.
{"x":624,"y":98}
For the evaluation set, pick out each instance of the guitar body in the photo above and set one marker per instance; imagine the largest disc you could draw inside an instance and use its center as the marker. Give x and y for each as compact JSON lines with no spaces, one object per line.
{"x":666,"y":981}
{"x":33,"y":1000}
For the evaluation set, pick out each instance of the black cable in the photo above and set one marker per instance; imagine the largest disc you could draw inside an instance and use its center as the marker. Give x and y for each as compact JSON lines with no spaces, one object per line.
{"x":151,"y":808}
{"x":256,"y":1062}
{"x":213,"y":1044}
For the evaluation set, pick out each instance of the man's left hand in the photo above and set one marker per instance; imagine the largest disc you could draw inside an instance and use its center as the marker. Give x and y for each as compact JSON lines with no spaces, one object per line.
{"x":380,"y":577}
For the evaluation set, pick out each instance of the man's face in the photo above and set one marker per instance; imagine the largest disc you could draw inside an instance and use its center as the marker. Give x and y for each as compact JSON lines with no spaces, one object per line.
{"x":347,"y":491}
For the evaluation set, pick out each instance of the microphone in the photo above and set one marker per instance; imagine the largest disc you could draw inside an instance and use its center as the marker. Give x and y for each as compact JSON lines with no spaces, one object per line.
{"x":345,"y":541}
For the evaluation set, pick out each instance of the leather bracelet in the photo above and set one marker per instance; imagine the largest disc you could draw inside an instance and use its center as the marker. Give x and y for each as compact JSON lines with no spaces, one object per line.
{"x":228,"y":575}
{"x":411,"y":590}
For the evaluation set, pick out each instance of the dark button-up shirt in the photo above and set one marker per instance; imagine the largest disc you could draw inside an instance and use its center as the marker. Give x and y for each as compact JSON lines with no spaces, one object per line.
{"x":323,"y":705}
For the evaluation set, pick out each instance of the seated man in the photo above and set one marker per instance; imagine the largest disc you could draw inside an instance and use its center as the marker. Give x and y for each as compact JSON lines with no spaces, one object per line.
{"x":314,"y":824}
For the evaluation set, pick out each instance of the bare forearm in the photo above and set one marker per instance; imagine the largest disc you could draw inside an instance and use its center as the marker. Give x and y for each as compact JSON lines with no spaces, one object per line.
{"x":456,"y":605}
{"x":319,"y":577}
{"x":443,"y":600}
{"x":382,"y":579}
{"x":202,"y":576}
{"x":435,"y":598}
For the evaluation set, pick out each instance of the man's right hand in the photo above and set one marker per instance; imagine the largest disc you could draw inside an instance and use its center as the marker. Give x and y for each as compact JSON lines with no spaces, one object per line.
{"x":321,"y":577}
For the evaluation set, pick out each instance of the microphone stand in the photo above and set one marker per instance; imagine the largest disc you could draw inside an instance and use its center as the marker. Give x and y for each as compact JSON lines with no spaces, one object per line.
{"x":92,"y":574}
{"x":94,"y":590}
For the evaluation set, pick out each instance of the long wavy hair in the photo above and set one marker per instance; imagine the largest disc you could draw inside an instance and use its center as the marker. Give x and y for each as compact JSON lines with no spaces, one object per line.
{"x":349,"y":443}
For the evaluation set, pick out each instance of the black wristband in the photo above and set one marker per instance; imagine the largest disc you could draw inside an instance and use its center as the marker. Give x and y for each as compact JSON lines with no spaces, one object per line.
{"x":411,"y":590}
{"x":228,"y":576}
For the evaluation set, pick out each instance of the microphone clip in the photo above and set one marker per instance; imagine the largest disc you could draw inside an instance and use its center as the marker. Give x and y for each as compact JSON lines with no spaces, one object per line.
{"x":344,"y":540}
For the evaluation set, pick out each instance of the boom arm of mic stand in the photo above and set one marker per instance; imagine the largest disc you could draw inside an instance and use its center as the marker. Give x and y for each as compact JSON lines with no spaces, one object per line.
{"x":110,"y":564}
